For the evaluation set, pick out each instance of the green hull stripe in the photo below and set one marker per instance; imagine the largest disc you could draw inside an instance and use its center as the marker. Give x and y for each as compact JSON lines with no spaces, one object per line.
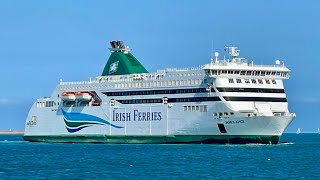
{"x":73,"y":124}
{"x":153,"y":139}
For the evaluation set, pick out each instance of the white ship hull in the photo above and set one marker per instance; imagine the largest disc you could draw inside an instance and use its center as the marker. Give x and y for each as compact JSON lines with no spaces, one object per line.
{"x":172,"y":126}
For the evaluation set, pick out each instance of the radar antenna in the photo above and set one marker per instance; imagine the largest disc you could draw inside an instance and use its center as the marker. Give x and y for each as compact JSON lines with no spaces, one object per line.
{"x":233,"y":51}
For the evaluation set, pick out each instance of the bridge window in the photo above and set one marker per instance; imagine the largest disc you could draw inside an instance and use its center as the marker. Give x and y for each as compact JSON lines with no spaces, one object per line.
{"x":284,"y":74}
{"x":243,"y":73}
{"x":267,"y":81}
{"x":236,"y":72}
{"x":274,"y":81}
{"x":249,"y":73}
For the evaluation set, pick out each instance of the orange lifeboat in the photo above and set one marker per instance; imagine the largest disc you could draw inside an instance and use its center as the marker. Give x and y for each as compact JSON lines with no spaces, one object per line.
{"x":83,"y":96}
{"x":68,"y":96}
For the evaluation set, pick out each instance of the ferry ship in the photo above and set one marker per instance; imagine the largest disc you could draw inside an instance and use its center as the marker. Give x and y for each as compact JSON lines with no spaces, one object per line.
{"x":225,"y":101}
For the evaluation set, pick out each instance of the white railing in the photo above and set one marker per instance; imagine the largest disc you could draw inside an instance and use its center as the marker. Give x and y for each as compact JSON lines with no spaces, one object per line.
{"x":132,"y":77}
{"x":243,"y":63}
{"x":76,"y":82}
{"x":179,"y":69}
{"x":257,"y":65}
{"x":109,"y":79}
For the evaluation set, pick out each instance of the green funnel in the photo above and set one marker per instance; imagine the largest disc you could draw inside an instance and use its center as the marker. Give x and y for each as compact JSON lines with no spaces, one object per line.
{"x":121,"y":61}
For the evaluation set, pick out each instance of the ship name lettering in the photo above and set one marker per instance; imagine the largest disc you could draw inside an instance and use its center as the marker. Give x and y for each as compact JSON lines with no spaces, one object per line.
{"x":235,"y":122}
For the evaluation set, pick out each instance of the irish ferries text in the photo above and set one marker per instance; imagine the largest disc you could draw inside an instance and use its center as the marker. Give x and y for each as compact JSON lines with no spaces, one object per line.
{"x":136,"y":116}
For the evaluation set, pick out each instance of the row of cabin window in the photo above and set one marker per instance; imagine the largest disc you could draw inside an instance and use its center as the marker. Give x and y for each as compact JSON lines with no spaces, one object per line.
{"x":221,"y":114}
{"x":249,"y":73}
{"x":189,"y":74}
{"x":85,"y":87}
{"x":145,"y":84}
{"x":201,"y":108}
{"x":46,"y":104}
{"x":158,"y":75}
{"x":151,"y":92}
{"x":141,"y":101}
{"x":159,"y":83}
{"x":171,"y":100}
{"x":253,"y":81}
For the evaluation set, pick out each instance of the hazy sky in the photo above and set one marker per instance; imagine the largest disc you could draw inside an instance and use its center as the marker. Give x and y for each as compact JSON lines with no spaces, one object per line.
{"x":42,"y":41}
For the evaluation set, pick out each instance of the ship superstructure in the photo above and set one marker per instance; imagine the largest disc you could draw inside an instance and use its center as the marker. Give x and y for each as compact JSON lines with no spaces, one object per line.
{"x":224,"y":101}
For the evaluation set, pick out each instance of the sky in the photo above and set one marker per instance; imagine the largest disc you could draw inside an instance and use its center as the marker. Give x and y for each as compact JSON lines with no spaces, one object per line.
{"x":42,"y":42}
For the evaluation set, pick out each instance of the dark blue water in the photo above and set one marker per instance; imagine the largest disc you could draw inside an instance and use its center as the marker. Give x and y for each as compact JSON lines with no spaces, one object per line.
{"x":300,"y":158}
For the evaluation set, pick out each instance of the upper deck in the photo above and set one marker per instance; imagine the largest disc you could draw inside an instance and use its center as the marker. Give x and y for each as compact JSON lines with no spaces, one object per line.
{"x":231,"y":68}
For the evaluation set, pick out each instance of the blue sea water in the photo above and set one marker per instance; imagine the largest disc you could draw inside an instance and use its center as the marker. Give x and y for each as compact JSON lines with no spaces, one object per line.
{"x":298,"y":158}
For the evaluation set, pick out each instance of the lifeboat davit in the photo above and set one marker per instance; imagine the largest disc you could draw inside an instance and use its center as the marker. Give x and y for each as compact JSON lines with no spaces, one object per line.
{"x":83,"y":96}
{"x":68,"y":96}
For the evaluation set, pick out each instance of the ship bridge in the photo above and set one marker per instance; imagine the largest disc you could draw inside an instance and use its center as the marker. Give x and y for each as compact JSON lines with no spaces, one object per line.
{"x":236,"y":66}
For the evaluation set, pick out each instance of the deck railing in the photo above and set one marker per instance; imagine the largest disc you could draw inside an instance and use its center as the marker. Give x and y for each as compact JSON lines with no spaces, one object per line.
{"x":132,"y":77}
